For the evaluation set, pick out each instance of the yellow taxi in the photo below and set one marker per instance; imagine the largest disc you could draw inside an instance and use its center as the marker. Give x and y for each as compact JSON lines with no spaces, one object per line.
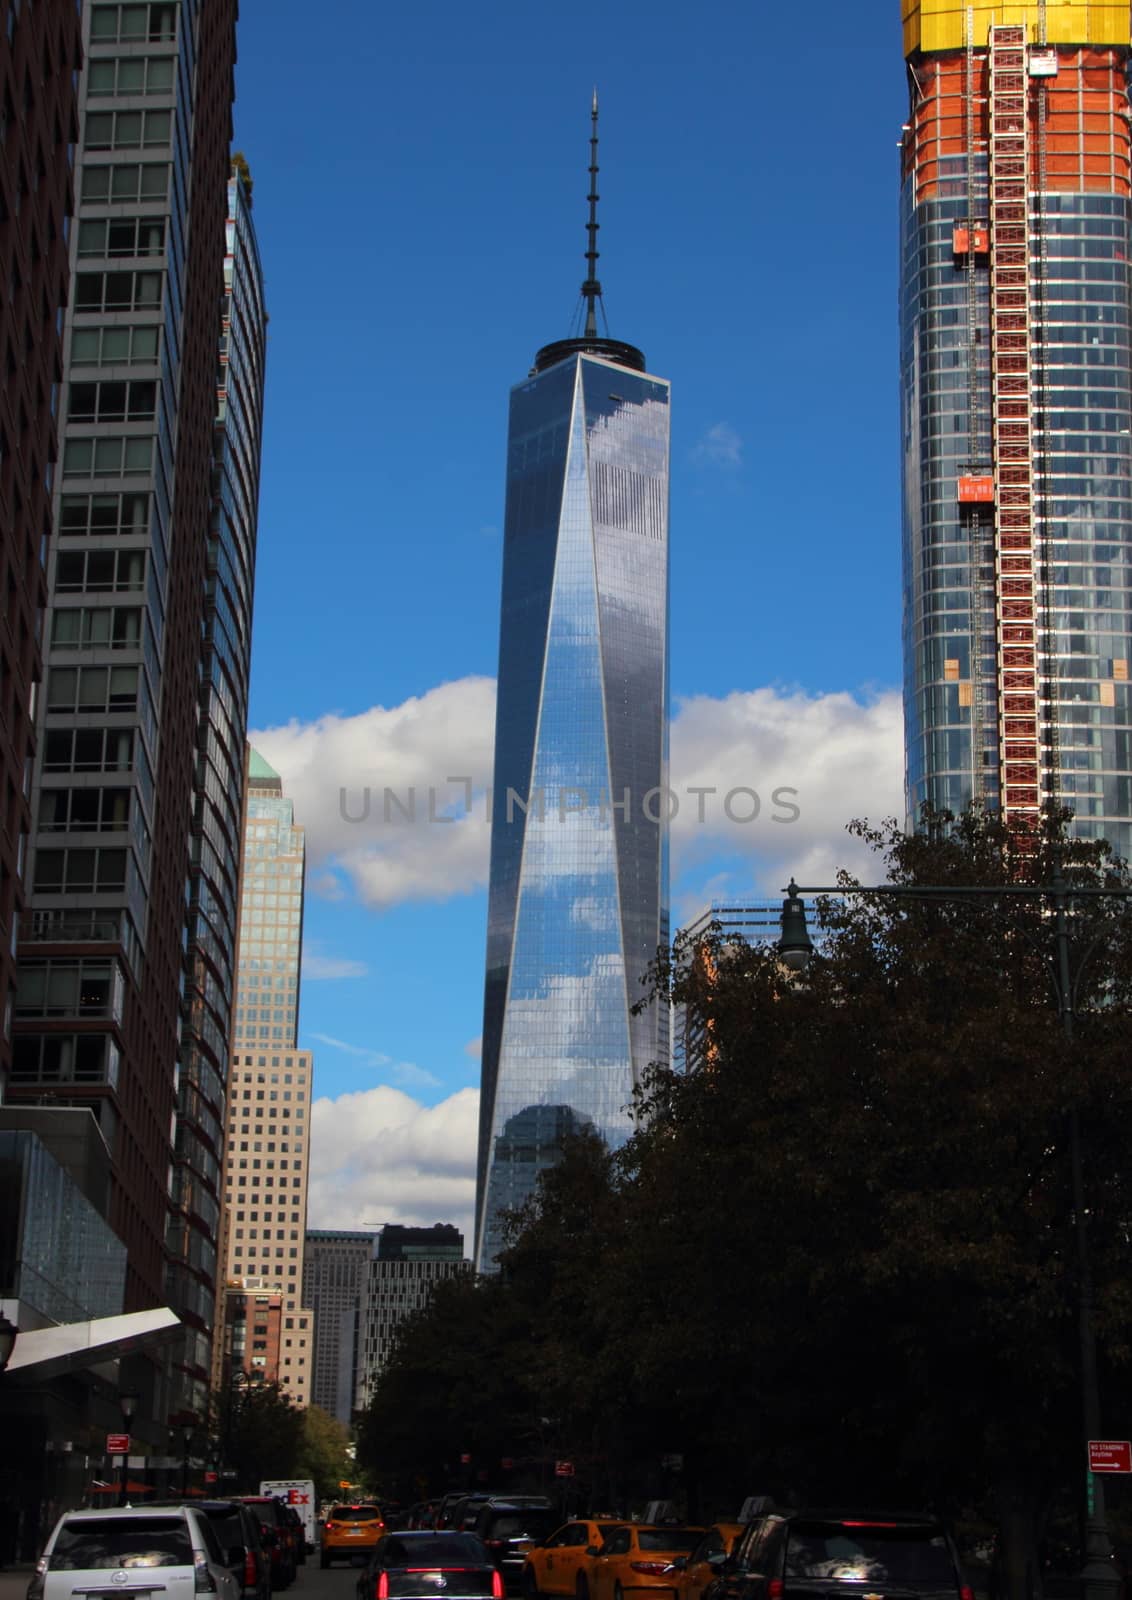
{"x":703,"y":1564}
{"x":349,"y":1528}
{"x":561,"y":1563}
{"x":638,"y":1556}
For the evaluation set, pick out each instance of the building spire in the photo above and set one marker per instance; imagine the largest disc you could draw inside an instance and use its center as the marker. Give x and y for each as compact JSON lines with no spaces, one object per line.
{"x":591,"y":289}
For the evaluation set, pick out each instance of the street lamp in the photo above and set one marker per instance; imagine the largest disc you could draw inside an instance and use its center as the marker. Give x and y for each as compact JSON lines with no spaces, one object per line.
{"x":8,"y":1333}
{"x":1099,"y":1580}
{"x":127,"y":1404}
{"x":186,"y":1436}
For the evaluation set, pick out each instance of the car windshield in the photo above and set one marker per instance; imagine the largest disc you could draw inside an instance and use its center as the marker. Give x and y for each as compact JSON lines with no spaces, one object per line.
{"x":869,"y":1555}
{"x":515,"y":1524}
{"x":355,"y":1514}
{"x":669,"y":1538}
{"x":122,"y":1542}
{"x":433,"y":1550}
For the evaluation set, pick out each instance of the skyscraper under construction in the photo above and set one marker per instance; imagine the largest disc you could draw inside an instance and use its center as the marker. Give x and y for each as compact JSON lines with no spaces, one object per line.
{"x":1016,"y":350}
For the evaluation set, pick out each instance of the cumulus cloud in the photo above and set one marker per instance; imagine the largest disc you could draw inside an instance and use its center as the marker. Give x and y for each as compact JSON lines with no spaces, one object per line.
{"x":798,"y":767}
{"x":393,"y":799}
{"x":375,"y":795}
{"x":719,"y":446}
{"x":378,"y":1155}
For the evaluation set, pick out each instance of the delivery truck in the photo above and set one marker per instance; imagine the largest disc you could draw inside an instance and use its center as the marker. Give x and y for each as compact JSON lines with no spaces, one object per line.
{"x":297,"y":1492}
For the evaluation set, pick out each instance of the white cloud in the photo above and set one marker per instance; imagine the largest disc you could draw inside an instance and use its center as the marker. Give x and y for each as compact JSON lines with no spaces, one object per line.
{"x":719,"y":446}
{"x":378,"y":1155}
{"x":474,"y":1048}
{"x":317,"y":966}
{"x":338,"y":771}
{"x":843,"y":757}
{"x":405,"y":1074}
{"x":842,"y":753}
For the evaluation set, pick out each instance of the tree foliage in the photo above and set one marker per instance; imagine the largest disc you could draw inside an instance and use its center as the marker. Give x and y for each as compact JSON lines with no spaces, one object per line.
{"x":838,"y":1260}
{"x":323,"y":1452}
{"x":260,"y":1432}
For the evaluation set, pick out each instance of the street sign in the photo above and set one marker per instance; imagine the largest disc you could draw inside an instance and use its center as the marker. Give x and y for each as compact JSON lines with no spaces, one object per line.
{"x":210,"y":1477}
{"x":507,"y":1464}
{"x":229,"y":1472}
{"x":1110,"y":1455}
{"x":465,"y":1460}
{"x":563,"y":1469}
{"x":117,"y":1444}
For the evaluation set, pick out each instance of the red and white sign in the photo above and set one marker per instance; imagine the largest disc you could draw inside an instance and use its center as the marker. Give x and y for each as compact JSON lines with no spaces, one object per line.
{"x":563,"y":1469}
{"x":1110,"y":1455}
{"x":117,"y":1444}
{"x":465,"y":1459}
{"x":211,"y":1477}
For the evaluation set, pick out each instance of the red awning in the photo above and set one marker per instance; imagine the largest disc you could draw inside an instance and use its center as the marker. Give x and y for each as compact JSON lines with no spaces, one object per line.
{"x":116,"y":1488}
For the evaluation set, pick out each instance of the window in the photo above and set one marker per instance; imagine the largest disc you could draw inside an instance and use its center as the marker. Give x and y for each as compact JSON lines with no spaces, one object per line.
{"x":65,"y":987}
{"x":126,"y":130}
{"x":118,"y":291}
{"x":130,"y":75}
{"x":147,"y":181}
{"x":64,"y":1058}
{"x":112,"y":457}
{"x":122,"y":236}
{"x":112,"y":401}
{"x":92,"y":689}
{"x":83,"y":627}
{"x":82,"y":514}
{"x":88,"y":749}
{"x":84,"y":810}
{"x":80,"y":871}
{"x":97,"y":571}
{"x":153,"y":22}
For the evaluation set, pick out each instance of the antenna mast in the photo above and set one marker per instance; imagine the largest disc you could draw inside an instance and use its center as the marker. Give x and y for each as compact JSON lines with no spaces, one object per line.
{"x":591,"y":289}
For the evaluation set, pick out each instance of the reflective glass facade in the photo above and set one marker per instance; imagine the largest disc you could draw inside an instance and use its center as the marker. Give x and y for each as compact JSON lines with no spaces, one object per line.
{"x":1079,"y":240}
{"x":579,"y":867}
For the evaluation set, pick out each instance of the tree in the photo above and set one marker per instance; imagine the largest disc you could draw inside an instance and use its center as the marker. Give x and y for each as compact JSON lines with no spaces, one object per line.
{"x":323,"y":1452}
{"x":260,"y":1432}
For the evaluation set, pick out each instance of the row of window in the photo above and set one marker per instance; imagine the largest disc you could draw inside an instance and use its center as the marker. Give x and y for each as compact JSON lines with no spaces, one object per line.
{"x":80,"y":871}
{"x":84,"y":627}
{"x":117,"y":456}
{"x":103,"y":514}
{"x":107,"y":689}
{"x":113,"y":400}
{"x":131,"y":181}
{"x":65,"y":986}
{"x":64,"y":1058}
{"x":154,"y":22}
{"x":122,"y":236}
{"x":84,"y":810}
{"x":130,"y":75}
{"x":118,"y":291}
{"x":127,"y":130}
{"x":99,"y":571}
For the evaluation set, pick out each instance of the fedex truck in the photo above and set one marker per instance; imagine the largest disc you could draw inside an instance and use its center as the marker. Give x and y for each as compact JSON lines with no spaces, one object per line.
{"x":297,"y":1492}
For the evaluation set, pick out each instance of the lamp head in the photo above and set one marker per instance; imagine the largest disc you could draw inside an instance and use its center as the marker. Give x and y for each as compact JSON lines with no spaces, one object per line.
{"x":795,"y":947}
{"x":128,"y":1404}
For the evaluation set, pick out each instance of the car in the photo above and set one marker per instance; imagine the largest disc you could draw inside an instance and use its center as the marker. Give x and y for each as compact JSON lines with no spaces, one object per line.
{"x":805,"y":1553}
{"x":694,"y":1572}
{"x":298,"y":1531}
{"x":428,"y":1561}
{"x":509,"y":1529}
{"x":238,"y":1531}
{"x":638,"y":1556}
{"x":350,"y":1530}
{"x":462,"y":1513}
{"x":278,"y":1535}
{"x":561,"y":1563}
{"x":133,"y":1550}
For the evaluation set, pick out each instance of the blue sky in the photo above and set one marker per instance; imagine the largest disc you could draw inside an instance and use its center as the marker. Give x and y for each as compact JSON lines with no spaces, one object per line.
{"x":420,"y":182}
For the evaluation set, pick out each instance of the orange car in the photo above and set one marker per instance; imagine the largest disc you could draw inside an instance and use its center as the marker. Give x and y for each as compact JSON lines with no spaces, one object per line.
{"x":561,"y":1563}
{"x":639,"y":1556}
{"x":350,"y":1528}
{"x":705,"y":1560}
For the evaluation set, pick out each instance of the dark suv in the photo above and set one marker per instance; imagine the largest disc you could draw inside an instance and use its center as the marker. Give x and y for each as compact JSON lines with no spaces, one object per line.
{"x":278,"y":1536}
{"x":843,"y":1555}
{"x":245,"y":1555}
{"x":509,"y":1528}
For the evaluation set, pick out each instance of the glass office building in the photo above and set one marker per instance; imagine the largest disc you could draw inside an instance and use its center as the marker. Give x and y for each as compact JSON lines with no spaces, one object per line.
{"x":578,"y":887}
{"x":1016,"y":389}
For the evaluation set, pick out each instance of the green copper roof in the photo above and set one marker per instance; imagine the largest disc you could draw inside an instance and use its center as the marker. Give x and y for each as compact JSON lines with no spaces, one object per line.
{"x":258,"y":767}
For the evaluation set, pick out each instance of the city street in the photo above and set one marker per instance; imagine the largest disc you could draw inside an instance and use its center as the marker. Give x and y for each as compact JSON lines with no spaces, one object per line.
{"x":312,"y":1583}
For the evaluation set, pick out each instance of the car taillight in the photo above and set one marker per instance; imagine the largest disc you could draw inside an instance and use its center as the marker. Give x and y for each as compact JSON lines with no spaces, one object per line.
{"x":774,"y":1589}
{"x":496,"y":1544}
{"x":382,"y":1591}
{"x":966,"y":1592}
{"x":652,"y":1569}
{"x":328,"y":1527}
{"x":497,"y":1589}
{"x":203,"y":1581}
{"x":35,"y":1587}
{"x":250,"y":1573}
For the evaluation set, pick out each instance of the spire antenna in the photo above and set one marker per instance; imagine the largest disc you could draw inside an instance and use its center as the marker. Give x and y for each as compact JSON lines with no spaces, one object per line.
{"x":591,"y":289}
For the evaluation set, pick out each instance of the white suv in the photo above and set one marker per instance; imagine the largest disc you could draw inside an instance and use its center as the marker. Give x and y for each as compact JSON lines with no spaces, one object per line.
{"x":145,"y":1553}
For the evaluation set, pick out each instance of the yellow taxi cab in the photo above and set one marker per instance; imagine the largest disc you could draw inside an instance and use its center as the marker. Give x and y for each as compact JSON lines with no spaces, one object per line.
{"x":349,"y":1528}
{"x":561,"y":1563}
{"x":638,"y":1556}
{"x":702,"y":1565}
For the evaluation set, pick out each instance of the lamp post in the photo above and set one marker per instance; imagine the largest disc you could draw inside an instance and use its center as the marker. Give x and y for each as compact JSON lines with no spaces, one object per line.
{"x":8,"y":1335}
{"x":127,"y":1404}
{"x":186,"y":1439}
{"x":1099,"y":1581}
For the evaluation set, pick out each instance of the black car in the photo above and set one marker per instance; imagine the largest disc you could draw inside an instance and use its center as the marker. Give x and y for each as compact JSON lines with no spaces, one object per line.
{"x":239,"y":1533}
{"x":278,"y":1536}
{"x":509,"y":1529}
{"x":426,"y":1561}
{"x":842,"y":1555}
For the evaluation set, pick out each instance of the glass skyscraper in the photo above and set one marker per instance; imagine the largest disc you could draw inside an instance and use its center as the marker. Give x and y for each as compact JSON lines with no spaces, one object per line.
{"x":579,"y":845}
{"x":1016,"y":388}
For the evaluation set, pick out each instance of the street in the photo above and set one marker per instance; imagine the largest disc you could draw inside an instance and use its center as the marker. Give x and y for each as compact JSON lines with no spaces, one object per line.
{"x":312,"y":1583}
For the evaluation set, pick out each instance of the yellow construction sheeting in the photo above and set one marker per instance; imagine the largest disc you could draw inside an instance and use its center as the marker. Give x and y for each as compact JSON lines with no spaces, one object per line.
{"x":942,"y":24}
